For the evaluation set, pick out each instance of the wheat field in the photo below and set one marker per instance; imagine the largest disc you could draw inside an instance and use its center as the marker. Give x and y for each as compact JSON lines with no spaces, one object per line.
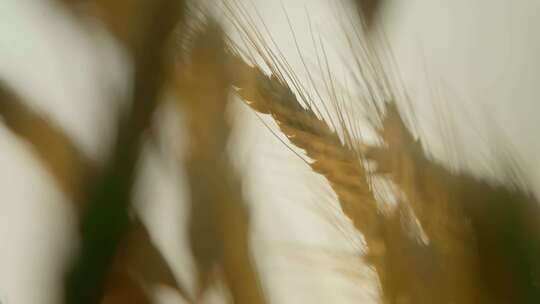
{"x":177,"y":151}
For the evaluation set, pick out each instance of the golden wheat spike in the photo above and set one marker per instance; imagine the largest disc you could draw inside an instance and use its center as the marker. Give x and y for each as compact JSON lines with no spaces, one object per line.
{"x":331,"y":158}
{"x":396,"y":254}
{"x":341,"y":166}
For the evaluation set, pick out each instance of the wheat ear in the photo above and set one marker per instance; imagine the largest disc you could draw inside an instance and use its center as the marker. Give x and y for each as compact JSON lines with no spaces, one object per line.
{"x":338,"y":163}
{"x":56,"y":151}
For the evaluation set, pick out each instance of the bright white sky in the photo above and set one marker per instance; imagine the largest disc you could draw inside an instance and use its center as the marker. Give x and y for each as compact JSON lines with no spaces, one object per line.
{"x":479,"y":56}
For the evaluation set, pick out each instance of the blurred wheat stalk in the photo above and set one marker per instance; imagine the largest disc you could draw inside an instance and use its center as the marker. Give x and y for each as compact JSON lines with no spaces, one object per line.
{"x":219,"y":219}
{"x":452,"y":238}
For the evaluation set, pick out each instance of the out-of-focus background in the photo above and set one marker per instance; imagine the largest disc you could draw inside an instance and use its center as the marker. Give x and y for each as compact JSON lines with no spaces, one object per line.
{"x":478,"y":59}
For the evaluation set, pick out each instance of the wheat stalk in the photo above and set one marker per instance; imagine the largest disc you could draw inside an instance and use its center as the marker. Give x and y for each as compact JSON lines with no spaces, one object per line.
{"x":219,"y":220}
{"x":144,"y":29}
{"x":56,"y":151}
{"x":74,"y":172}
